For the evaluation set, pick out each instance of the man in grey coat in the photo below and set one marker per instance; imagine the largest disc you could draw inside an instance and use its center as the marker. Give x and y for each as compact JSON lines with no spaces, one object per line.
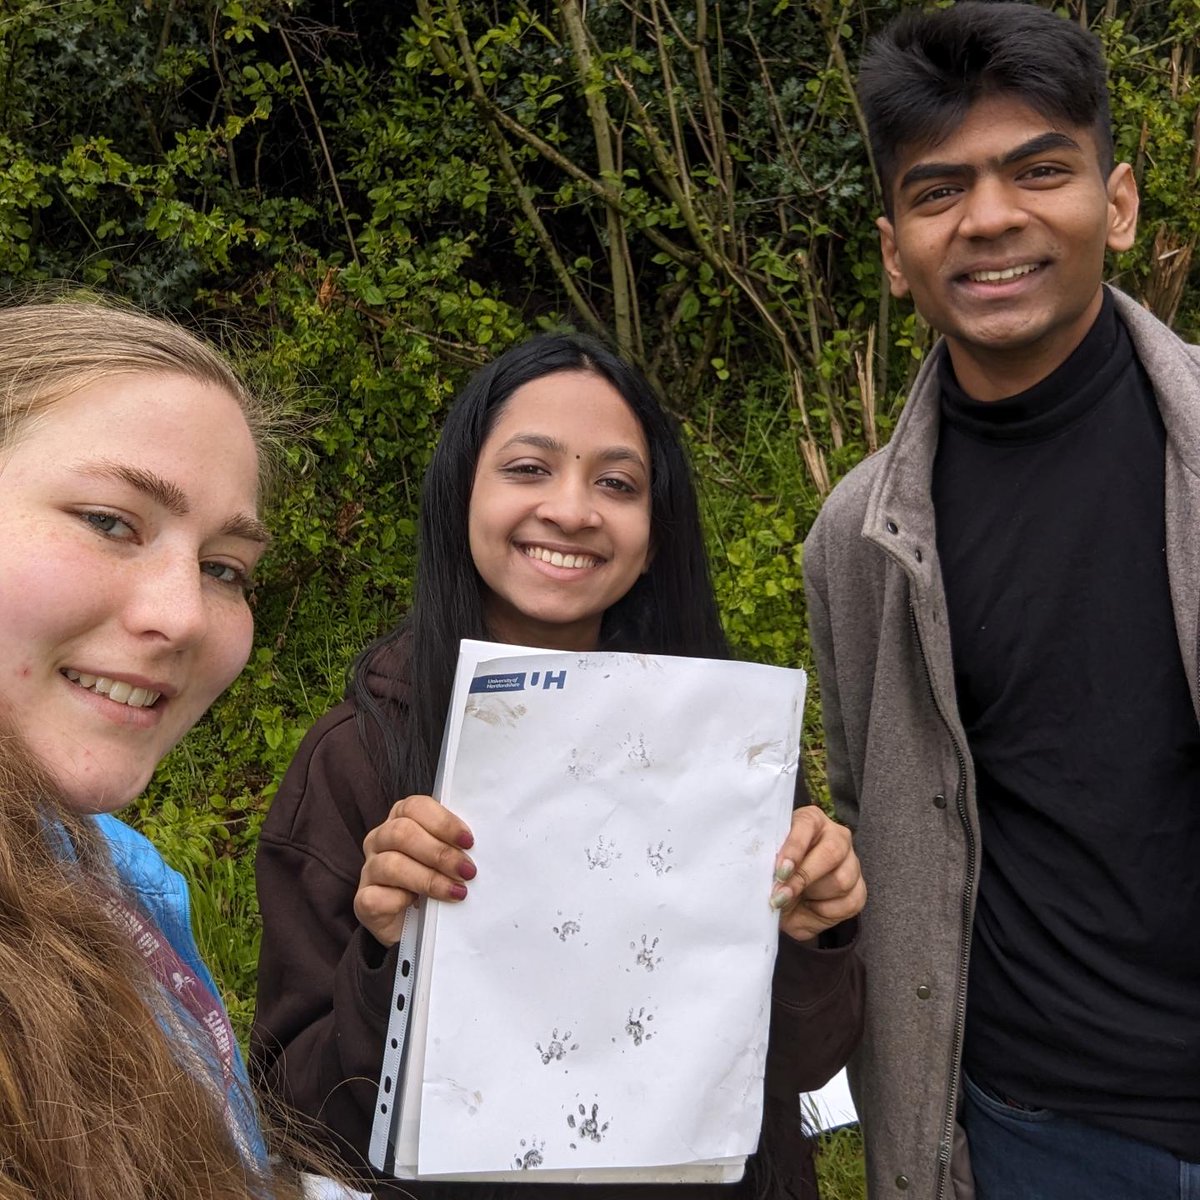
{"x":1004,"y":606}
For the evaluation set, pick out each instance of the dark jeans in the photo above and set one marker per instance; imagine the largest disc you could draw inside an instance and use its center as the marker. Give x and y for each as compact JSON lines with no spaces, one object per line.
{"x":1034,"y":1154}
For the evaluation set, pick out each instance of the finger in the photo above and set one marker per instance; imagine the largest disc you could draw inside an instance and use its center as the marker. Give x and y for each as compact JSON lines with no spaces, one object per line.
{"x":434,"y":817}
{"x":407,"y":837}
{"x":374,"y":904}
{"x":424,"y":866}
{"x":802,"y":918}
{"x":828,"y":854}
{"x":380,"y":910}
{"x":840,"y":881}
{"x":807,"y":827}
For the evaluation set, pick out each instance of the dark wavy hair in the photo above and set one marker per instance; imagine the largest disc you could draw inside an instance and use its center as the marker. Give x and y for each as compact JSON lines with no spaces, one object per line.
{"x":925,"y":69}
{"x":669,"y":610}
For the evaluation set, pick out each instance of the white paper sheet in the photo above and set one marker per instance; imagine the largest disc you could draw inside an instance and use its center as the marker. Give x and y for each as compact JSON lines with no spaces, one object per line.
{"x":832,"y":1107}
{"x":601,"y":1000}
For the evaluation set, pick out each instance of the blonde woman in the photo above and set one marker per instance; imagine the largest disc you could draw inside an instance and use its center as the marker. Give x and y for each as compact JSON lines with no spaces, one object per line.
{"x":129,"y":483}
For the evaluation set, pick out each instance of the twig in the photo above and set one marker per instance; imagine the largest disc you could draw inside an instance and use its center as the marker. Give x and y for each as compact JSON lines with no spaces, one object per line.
{"x":624,"y":299}
{"x":333,"y":179}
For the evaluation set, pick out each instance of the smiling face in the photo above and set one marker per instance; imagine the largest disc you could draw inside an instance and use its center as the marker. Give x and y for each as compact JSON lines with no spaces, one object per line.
{"x":999,"y":233}
{"x":559,"y":521}
{"x":131,"y":532}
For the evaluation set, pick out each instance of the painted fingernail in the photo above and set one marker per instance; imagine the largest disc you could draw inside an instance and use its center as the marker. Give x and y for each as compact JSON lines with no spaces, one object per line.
{"x":467,"y":869}
{"x":457,"y":891}
{"x":784,"y":871}
{"x":465,"y":839}
{"x":780,"y":897}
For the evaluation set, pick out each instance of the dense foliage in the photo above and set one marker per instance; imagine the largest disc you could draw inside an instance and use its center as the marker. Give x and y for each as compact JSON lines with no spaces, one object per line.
{"x":371,"y":198}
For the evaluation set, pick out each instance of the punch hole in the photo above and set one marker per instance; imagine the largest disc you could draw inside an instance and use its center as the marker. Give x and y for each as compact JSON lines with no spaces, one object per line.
{"x":405,"y":967}
{"x":399,"y":1003}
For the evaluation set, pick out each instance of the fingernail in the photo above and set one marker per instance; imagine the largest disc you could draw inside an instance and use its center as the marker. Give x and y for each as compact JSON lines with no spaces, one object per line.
{"x":779,"y":897}
{"x":457,"y":891}
{"x":467,"y":869}
{"x":784,"y":871}
{"x":466,"y":839}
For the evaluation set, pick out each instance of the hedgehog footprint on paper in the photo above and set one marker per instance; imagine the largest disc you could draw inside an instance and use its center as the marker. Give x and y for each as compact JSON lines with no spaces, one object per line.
{"x":588,"y":1126}
{"x":657,"y":857}
{"x":566,"y":929}
{"x":581,"y":766}
{"x":557,"y":1050}
{"x":646,"y":956}
{"x":636,"y":1026}
{"x":602,"y":855}
{"x":527,"y":1159}
{"x":635,"y":749}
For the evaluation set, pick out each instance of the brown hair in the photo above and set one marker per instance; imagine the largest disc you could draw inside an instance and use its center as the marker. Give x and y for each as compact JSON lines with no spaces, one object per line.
{"x":98,"y":1101}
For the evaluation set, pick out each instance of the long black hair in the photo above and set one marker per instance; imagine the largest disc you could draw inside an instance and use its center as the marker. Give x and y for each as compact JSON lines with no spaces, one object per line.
{"x":669,"y":610}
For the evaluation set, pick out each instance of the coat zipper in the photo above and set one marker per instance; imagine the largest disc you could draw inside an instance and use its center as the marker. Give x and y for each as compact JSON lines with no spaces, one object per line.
{"x":946,"y":1148}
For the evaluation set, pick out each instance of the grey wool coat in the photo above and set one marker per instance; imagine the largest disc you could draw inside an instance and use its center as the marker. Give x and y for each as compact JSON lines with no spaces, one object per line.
{"x":900,"y":770}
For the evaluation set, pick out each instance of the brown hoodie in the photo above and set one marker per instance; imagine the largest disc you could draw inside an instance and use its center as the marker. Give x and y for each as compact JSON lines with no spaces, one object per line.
{"x":325,"y":985}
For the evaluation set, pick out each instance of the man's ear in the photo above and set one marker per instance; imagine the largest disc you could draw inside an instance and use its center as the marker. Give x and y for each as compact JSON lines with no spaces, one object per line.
{"x":1122,"y":207}
{"x":891,"y":257}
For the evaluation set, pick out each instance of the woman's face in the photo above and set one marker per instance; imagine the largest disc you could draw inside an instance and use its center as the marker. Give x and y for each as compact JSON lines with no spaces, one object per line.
{"x":559,"y":520}
{"x":131,"y":528}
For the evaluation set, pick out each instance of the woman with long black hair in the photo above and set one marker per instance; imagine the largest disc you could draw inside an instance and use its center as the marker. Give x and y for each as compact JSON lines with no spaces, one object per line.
{"x":558,"y":511}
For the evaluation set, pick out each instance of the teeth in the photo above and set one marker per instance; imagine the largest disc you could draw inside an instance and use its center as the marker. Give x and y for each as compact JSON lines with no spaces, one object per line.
{"x":557,"y":559}
{"x":1002,"y":276}
{"x":115,"y":690}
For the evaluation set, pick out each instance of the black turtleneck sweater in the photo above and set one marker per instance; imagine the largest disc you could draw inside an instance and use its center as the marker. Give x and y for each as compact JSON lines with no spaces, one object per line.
{"x":1084,"y":991}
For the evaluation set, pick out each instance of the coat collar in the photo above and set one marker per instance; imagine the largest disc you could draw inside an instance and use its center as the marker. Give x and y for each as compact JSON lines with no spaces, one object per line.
{"x":899,"y":516}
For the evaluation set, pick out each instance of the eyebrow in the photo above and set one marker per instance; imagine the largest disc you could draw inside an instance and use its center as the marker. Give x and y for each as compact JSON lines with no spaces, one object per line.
{"x":248,"y":527}
{"x":1044,"y":142}
{"x":171,"y":496}
{"x":540,"y":441}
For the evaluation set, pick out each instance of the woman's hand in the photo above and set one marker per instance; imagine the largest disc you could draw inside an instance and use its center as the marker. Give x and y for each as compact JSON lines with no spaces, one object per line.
{"x":818,"y":880}
{"x":417,"y":851}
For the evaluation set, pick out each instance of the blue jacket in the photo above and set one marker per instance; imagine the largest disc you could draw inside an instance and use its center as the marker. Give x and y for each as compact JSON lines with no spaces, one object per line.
{"x":163,"y":893}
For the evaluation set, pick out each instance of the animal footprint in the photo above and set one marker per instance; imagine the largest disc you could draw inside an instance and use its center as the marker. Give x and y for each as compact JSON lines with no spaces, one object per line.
{"x":566,"y":929}
{"x":635,"y":749}
{"x":581,"y":767}
{"x":646,"y":956}
{"x":532,"y":1157}
{"x":588,"y":1126}
{"x":657,"y":857}
{"x":603,"y":854}
{"x":557,"y":1050}
{"x":636,"y":1026}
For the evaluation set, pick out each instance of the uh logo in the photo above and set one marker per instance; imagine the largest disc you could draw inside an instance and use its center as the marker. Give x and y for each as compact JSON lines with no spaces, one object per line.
{"x":518,"y":681}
